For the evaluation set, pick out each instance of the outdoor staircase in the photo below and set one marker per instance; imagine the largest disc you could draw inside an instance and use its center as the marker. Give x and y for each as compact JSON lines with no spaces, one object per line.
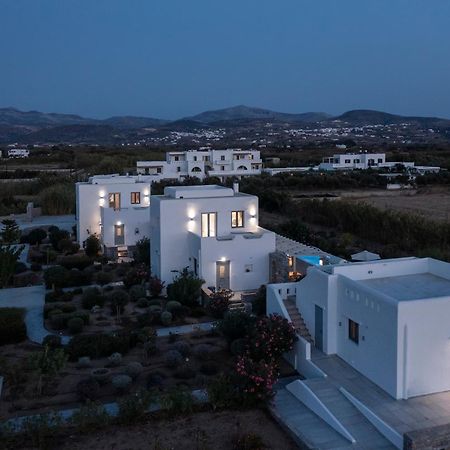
{"x":236,"y":304}
{"x":297,"y":319}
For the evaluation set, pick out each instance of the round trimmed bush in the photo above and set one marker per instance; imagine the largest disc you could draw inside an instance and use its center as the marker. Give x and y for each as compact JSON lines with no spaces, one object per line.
{"x":136,"y":292}
{"x":115,"y":359}
{"x":103,"y":278}
{"x":119,"y":299}
{"x":84,"y":362}
{"x":102,"y":375}
{"x":88,"y":389}
{"x":183,"y":347}
{"x":75,"y":325}
{"x":173,"y":359}
{"x":155,"y":302}
{"x":166,"y":318}
{"x":142,"y":303}
{"x":156,"y":309}
{"x":134,"y":369}
{"x":185,"y":373}
{"x":58,"y":321}
{"x":92,"y":297}
{"x":52,"y":341}
{"x":54,"y":312}
{"x":121,"y":383}
{"x":155,"y":380}
{"x":174,"y":307}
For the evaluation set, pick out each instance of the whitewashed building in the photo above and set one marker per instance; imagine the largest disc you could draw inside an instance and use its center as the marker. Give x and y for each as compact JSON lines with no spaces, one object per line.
{"x":18,"y":153}
{"x":214,"y":232}
{"x":388,"y":319}
{"x":202,"y":164}
{"x":115,"y":208}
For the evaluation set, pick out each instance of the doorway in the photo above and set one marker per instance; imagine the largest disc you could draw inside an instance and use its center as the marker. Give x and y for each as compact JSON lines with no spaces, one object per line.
{"x":318,"y":328}
{"x":119,"y":234}
{"x":223,"y":274}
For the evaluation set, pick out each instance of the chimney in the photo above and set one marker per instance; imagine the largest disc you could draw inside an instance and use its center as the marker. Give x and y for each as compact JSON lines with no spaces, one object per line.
{"x":236,"y":187}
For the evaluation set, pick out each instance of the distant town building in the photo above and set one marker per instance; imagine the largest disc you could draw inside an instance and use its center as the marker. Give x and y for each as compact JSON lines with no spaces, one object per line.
{"x":203,"y":163}
{"x":115,"y":208}
{"x":18,"y":153}
{"x":214,"y":232}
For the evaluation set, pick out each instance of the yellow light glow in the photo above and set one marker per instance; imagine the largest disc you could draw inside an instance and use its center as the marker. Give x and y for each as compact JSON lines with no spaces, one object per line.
{"x":118,"y":223}
{"x":252,"y":211}
{"x":101,"y":201}
{"x":101,"y":194}
{"x":223,"y":259}
{"x":191,"y":213}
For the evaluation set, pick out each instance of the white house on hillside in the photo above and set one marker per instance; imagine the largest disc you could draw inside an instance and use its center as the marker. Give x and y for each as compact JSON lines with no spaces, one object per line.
{"x":388,"y":319}
{"x":214,"y":232}
{"x":203,"y":163}
{"x":18,"y":153}
{"x":116,"y":208}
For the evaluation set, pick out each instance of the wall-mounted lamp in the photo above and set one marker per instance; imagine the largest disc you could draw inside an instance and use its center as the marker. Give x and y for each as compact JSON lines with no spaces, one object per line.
{"x":223,"y":259}
{"x":118,"y":223}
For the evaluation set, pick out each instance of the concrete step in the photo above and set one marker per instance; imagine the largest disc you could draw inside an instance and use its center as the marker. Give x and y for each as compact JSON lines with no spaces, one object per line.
{"x":366,"y":435}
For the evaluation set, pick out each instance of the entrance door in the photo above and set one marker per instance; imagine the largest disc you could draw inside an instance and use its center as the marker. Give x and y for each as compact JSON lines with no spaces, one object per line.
{"x":119,"y":234}
{"x":318,"y":335}
{"x":223,"y":274}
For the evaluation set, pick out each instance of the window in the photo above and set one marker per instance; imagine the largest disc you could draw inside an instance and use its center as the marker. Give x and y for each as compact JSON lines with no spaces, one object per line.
{"x":195,"y":267}
{"x":237,"y":219}
{"x":250,"y":156}
{"x":380,"y":161}
{"x":114,"y":200}
{"x":222,"y":158}
{"x":222,"y":167}
{"x":178,"y":169}
{"x":290,"y":261}
{"x":353,"y":331}
{"x":371,"y":162}
{"x":135,"y":198}
{"x":206,"y":158}
{"x":357,"y":161}
{"x":177,"y":158}
{"x":158,"y":170}
{"x":195,"y":158}
{"x":209,"y":224}
{"x":347,"y":161}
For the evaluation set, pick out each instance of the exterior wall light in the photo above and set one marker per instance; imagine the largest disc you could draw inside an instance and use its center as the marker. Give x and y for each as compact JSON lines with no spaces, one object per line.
{"x":118,"y":223}
{"x":223,"y":259}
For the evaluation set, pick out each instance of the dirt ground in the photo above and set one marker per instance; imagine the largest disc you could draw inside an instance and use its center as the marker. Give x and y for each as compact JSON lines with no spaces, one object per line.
{"x":201,"y":431}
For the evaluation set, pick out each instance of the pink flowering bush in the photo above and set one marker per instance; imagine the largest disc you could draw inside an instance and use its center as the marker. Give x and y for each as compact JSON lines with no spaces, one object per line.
{"x":219,"y":303}
{"x":272,"y":336}
{"x":255,"y":379}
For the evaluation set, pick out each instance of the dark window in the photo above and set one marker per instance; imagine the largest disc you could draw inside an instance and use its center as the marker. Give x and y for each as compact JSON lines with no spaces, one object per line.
{"x":135,"y":198}
{"x":222,"y":158}
{"x":158,"y":170}
{"x":353,"y":331}
{"x":177,"y":158}
{"x":380,"y":161}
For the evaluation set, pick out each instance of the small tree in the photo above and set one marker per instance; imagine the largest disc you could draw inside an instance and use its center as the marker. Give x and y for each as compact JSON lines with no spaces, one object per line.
{"x":8,"y":259}
{"x":219,"y":302}
{"x":185,"y":288}
{"x":155,"y":286}
{"x":48,"y":364}
{"x":10,"y":233}
{"x":92,"y":246}
{"x":142,"y":252}
{"x":36,"y":236}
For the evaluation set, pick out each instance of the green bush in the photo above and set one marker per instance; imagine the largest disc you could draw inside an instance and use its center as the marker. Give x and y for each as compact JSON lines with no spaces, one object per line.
{"x":173,"y":359}
{"x":75,"y":325}
{"x":58,"y":296}
{"x":118,"y":299}
{"x":186,"y":288}
{"x":134,"y":407}
{"x":98,"y":345}
{"x":88,"y":389}
{"x":92,"y":246}
{"x":59,"y":321}
{"x":52,"y":341}
{"x":166,"y":318}
{"x":174,"y":307}
{"x":92,"y":297}
{"x":56,"y":276}
{"x":235,"y":325}
{"x":12,"y":326}
{"x":90,"y":417}
{"x":136,"y":292}
{"x":79,"y":262}
{"x":121,"y":383}
{"x":142,"y":303}
{"x":103,"y":278}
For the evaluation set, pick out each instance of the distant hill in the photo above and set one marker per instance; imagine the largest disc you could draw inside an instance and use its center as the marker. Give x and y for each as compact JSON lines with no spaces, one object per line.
{"x":246,"y":112}
{"x":133,"y":122}
{"x":360,"y":117}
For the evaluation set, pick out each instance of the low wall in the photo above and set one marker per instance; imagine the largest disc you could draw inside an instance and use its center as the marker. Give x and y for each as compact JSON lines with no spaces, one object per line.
{"x":434,"y":438}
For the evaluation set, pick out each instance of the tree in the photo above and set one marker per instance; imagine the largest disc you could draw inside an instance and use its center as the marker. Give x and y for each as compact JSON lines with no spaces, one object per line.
{"x":8,"y":259}
{"x":55,"y":235}
{"x":186,"y":288}
{"x":36,"y":236}
{"x":142,"y":252}
{"x":48,"y":363}
{"x":10,"y":233}
{"x":92,"y":246}
{"x":58,"y":199}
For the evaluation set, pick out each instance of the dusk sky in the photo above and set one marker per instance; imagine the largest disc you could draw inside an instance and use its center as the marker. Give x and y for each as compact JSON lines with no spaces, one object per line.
{"x":173,"y":58}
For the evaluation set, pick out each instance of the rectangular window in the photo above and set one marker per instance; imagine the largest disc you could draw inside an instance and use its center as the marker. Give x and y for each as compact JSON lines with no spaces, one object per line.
{"x":135,"y":198}
{"x":353,"y":331}
{"x":290,"y":261}
{"x":209,"y":224}
{"x":158,"y":170}
{"x":195,"y":158}
{"x":347,"y":161}
{"x":222,"y":167}
{"x":222,"y":158}
{"x":380,"y":161}
{"x":237,"y":219}
{"x":114,"y":200}
{"x":177,"y":158}
{"x":357,"y":161}
{"x":178,"y":169}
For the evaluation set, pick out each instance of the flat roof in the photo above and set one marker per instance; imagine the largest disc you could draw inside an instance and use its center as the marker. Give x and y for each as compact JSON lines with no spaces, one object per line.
{"x":200,"y":191}
{"x":410,"y":287}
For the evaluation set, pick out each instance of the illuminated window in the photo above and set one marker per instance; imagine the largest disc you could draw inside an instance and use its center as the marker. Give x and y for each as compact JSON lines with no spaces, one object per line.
{"x":114,"y":200}
{"x":290,"y":261}
{"x":237,"y":219}
{"x":209,"y":224}
{"x":353,"y":331}
{"x":135,"y":198}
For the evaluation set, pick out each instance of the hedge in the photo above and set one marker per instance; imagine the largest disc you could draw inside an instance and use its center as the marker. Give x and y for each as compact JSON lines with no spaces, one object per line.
{"x":12,"y":326}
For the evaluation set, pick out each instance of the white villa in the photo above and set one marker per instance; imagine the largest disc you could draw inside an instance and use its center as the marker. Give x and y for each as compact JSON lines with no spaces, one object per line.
{"x":388,"y":319}
{"x":364,"y":161}
{"x":203,"y":163}
{"x":116,"y":208}
{"x":214,"y":232}
{"x":18,"y":153}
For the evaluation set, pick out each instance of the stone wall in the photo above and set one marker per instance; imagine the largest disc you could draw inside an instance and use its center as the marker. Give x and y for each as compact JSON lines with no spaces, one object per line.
{"x":435,"y":438}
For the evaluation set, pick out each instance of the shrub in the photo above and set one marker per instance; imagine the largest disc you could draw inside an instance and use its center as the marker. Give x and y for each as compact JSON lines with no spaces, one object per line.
{"x":197,"y":311}
{"x":103,"y":278}
{"x":79,"y":262}
{"x":68,"y":308}
{"x":83,"y":315}
{"x":88,"y":389}
{"x":75,"y":325}
{"x":118,"y":299}
{"x":209,"y":368}
{"x":68,"y":247}
{"x":155,"y":309}
{"x":219,"y":303}
{"x":204,"y":351}
{"x":136,"y":275}
{"x":121,"y":383}
{"x":142,"y":303}
{"x":223,"y":394}
{"x":58,"y":296}
{"x":84,"y":362}
{"x":259,"y":302}
{"x":183,"y":347}
{"x":115,"y":359}
{"x":56,"y":235}
{"x":155,"y":379}
{"x":92,"y":297}
{"x":235,"y":325}
{"x":249,"y":441}
{"x":173,"y":359}
{"x":56,"y":276}
{"x":58,"y":321}
{"x":90,"y":417}
{"x":166,"y":318}
{"x":92,"y":246}
{"x":101,"y":375}
{"x":77,"y":277}
{"x":155,"y":286}
{"x":185,"y":372}
{"x":98,"y":345}
{"x":238,"y":346}
{"x":134,"y":407}
{"x":41,"y":429}
{"x":136,"y":292}
{"x":154,"y":302}
{"x":142,"y":252}
{"x":52,"y":341}
{"x":186,"y":288}
{"x":36,"y":236}
{"x":174,"y":307}
{"x":12,"y":326}
{"x":177,"y":401}
{"x":134,"y":369}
